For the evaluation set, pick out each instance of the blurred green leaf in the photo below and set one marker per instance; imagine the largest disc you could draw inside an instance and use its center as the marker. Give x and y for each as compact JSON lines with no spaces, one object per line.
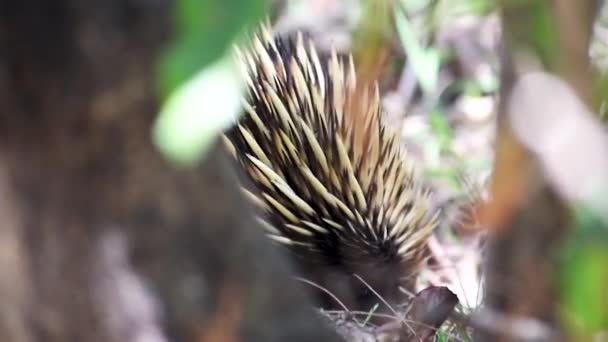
{"x":193,"y":116}
{"x":532,"y":27}
{"x":600,"y":95}
{"x":476,"y":7}
{"x":583,"y":273}
{"x":432,"y":153}
{"x":450,"y":175}
{"x":445,"y":11}
{"x":425,"y":63}
{"x":441,"y":128}
{"x":482,"y":7}
{"x":199,"y":102}
{"x":203,"y":31}
{"x":477,"y":87}
{"x":543,"y":30}
{"x":441,"y":336}
{"x":411,"y":6}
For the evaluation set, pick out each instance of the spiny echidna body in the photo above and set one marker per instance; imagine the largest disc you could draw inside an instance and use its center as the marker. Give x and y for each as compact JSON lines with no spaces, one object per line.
{"x":343,"y":208}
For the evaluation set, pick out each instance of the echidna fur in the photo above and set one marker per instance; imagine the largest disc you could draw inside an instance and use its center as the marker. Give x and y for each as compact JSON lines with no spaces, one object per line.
{"x":342,"y":208}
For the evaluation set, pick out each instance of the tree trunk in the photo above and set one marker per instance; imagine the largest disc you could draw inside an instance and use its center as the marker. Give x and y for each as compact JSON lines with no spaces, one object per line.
{"x":100,"y":238}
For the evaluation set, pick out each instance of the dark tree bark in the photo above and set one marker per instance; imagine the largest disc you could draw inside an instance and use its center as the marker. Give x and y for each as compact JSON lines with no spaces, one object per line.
{"x":100,"y":238}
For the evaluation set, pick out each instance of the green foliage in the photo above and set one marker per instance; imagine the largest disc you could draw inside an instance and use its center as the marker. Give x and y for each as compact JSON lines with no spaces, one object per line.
{"x":442,"y":336}
{"x":600,"y":95}
{"x":203,"y":31}
{"x":441,"y":129}
{"x":533,"y":27}
{"x":449,"y":9}
{"x":487,"y":84}
{"x":197,"y":80}
{"x":583,"y":273}
{"x":425,"y":62}
{"x":542,"y":32}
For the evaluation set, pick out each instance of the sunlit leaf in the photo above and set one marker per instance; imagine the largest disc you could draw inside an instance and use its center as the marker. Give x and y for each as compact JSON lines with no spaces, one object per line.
{"x":197,"y":111}
{"x":197,"y":101}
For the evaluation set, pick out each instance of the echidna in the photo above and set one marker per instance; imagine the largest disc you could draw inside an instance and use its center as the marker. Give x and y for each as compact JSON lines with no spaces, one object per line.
{"x":342,"y":208}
